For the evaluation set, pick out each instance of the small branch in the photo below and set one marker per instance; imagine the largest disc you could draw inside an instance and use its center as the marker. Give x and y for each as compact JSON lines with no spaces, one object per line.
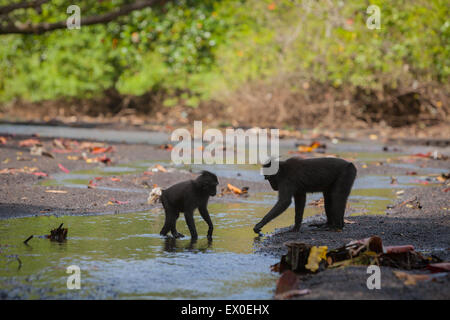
{"x":28,"y":239}
{"x":21,"y":5}
{"x":23,"y":28}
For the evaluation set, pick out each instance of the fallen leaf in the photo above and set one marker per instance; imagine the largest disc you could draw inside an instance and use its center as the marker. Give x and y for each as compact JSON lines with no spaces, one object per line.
{"x":316,"y":255}
{"x":40,"y":174}
{"x":28,"y":142}
{"x":56,"y":191}
{"x":411,"y":279}
{"x":62,"y":168}
{"x":118,"y":201}
{"x":439,"y":267}
{"x":91,"y":185}
{"x":167,"y":147}
{"x":234,"y":189}
{"x":422,"y":155}
{"x":2,"y":140}
{"x":398,"y":249}
{"x":317,"y":203}
{"x":97,"y":150}
{"x":158,"y":167}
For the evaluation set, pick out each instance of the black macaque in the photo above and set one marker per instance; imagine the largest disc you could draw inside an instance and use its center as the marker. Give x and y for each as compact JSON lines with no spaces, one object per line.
{"x":296,"y":177}
{"x":185,"y":197}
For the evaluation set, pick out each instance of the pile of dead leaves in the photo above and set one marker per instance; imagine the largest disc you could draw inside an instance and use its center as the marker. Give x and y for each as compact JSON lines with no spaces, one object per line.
{"x":304,"y":258}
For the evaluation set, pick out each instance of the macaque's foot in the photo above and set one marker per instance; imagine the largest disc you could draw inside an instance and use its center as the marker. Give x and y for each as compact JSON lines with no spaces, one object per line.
{"x":327,"y":227}
{"x":334,"y":228}
{"x":177,"y":235}
{"x":257,"y":230}
{"x":295,"y":229}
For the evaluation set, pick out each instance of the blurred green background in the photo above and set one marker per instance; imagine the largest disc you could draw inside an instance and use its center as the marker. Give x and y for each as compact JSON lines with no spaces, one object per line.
{"x":197,"y":51}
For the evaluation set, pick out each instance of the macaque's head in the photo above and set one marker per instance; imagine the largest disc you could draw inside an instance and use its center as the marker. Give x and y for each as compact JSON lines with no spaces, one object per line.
{"x":272,"y":178}
{"x":207,"y":182}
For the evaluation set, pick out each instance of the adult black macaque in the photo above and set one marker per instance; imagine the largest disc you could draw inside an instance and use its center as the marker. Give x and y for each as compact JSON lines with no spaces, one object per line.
{"x":185,"y":197}
{"x":296,"y":177}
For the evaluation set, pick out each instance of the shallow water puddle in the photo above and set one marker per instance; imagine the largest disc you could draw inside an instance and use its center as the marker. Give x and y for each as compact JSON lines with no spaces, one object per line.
{"x":123,"y":256}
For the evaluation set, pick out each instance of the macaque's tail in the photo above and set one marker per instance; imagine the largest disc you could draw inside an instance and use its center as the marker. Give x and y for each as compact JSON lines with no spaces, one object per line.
{"x":154,"y":195}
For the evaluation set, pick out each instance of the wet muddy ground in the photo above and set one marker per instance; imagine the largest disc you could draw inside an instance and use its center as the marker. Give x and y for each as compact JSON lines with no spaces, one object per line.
{"x":385,"y":178}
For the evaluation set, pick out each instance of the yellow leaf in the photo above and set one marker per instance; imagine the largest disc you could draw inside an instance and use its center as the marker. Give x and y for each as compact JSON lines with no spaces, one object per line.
{"x":316,"y":255}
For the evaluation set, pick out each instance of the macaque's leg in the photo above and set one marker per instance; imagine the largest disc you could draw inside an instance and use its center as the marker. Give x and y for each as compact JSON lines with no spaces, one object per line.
{"x":336,"y":197}
{"x":300,"y":201}
{"x":173,"y":229}
{"x":170,"y":223}
{"x":189,"y":216}
{"x":205,"y":215}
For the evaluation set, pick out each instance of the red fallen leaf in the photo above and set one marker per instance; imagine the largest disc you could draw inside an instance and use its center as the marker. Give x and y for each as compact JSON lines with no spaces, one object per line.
{"x":97,"y":150}
{"x":411,"y":173}
{"x":439,"y":267}
{"x":2,"y":140}
{"x":166,"y":146}
{"x":98,"y":178}
{"x":65,"y":150}
{"x":62,"y":168}
{"x":115,"y":179}
{"x":148,"y":173}
{"x":118,"y":201}
{"x":40,"y":174}
{"x":421,"y":182}
{"x":446,"y":190}
{"x":422,"y":155}
{"x":91,"y":185}
{"x":28,"y":142}
{"x":399,"y":249}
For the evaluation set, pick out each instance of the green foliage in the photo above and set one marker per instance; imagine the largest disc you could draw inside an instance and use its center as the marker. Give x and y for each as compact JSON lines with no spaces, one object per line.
{"x":202,"y":48}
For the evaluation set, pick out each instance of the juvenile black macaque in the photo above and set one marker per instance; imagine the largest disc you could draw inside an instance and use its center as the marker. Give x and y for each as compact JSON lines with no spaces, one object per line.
{"x":185,"y":197}
{"x":296,"y":177}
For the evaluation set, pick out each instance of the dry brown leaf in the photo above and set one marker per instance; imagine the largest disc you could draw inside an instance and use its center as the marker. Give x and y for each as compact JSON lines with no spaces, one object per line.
{"x":56,"y":191}
{"x":411,"y":279}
